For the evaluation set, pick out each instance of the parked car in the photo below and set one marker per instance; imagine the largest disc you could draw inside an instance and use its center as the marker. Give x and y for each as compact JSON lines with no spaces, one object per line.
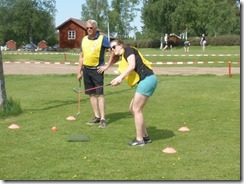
{"x":53,"y":48}
{"x":30,"y":47}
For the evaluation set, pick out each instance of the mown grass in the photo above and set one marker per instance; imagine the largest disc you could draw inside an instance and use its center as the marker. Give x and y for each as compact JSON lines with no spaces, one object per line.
{"x":208,"y":105}
{"x":176,"y":54}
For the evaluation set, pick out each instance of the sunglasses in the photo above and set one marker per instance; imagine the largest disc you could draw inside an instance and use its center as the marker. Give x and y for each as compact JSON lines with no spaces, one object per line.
{"x":113,"y":48}
{"x":87,"y":28}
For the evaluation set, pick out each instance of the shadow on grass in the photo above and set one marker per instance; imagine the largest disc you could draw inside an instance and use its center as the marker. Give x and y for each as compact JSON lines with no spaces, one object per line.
{"x":113,"y":117}
{"x":157,"y":134}
{"x":53,"y":104}
{"x":60,"y":103}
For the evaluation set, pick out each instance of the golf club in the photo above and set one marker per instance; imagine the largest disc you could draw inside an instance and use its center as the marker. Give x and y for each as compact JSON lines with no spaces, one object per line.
{"x":80,"y":91}
{"x":78,"y":113}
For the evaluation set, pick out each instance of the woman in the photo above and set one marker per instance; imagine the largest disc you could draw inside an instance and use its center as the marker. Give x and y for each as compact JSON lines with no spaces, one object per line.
{"x":135,"y":69}
{"x":203,"y":42}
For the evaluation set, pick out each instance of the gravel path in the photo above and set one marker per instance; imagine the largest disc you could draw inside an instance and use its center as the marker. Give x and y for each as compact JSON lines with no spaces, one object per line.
{"x":38,"y":69}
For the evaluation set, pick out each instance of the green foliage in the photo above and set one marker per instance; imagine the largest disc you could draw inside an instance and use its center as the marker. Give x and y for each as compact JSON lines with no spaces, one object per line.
{"x":208,"y":105}
{"x":119,"y":14}
{"x":210,"y":17}
{"x":97,"y":10}
{"x":149,"y":43}
{"x":10,"y":108}
{"x":227,"y":40}
{"x":27,"y":21}
{"x":126,"y":12}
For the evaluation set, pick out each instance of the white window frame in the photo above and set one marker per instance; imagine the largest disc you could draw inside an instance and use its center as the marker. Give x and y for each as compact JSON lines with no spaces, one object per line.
{"x":71,"y":34}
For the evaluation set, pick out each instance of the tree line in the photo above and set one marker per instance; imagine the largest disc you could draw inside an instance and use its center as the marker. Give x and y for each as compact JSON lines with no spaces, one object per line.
{"x":27,"y":21}
{"x":194,"y":17}
{"x":34,"y":20}
{"x":186,"y":17}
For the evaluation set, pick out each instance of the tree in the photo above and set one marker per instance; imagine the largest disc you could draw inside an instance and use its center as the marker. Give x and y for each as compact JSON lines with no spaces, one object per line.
{"x":119,"y":15}
{"x":27,"y":20}
{"x":97,"y":10}
{"x":220,"y":18}
{"x":184,"y":18}
{"x":122,"y":15}
{"x":3,"y":96}
{"x":212,"y":17}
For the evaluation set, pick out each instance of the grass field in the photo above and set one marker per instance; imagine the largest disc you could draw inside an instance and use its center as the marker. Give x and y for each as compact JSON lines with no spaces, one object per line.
{"x":208,"y":105}
{"x":230,"y":53}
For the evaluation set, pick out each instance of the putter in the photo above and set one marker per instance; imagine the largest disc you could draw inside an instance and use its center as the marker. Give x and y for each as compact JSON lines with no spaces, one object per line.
{"x":80,"y":91}
{"x":78,"y":113}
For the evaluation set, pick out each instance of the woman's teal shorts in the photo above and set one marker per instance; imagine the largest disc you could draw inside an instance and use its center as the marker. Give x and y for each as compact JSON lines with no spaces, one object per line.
{"x":147,"y":86}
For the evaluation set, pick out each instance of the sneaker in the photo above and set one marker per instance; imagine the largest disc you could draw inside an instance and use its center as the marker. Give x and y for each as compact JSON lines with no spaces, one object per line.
{"x":147,"y":139}
{"x":135,"y":142}
{"x":94,"y":120}
{"x":102,"y":123}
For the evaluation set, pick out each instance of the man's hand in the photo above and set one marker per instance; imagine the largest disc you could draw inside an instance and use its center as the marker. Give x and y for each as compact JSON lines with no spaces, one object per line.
{"x":79,"y":76}
{"x":101,"y":69}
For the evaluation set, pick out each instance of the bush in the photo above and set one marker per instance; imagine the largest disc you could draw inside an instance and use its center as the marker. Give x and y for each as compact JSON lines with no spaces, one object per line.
{"x":10,"y":108}
{"x":149,"y":43}
{"x":225,"y":40}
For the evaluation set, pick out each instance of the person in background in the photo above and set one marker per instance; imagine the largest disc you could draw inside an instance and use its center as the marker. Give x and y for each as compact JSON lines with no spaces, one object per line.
{"x":187,"y":45}
{"x":136,"y":70}
{"x":165,"y":42}
{"x":203,"y":42}
{"x":92,"y":53}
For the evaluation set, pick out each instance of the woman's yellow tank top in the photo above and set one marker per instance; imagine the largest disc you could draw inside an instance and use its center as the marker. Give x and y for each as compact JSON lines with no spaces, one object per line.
{"x":133,"y":78}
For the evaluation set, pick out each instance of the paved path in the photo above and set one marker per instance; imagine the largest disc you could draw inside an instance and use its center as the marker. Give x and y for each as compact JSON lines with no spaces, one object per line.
{"x":37,"y":69}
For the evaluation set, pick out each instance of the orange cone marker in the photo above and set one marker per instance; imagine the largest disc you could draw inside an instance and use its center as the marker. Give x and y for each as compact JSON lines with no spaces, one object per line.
{"x":184,"y":129}
{"x":71,"y":118}
{"x":14,"y":126}
{"x":169,"y":150}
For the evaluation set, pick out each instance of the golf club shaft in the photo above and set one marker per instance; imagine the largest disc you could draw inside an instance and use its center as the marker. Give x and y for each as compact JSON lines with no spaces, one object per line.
{"x":90,"y":89}
{"x":78,"y":113}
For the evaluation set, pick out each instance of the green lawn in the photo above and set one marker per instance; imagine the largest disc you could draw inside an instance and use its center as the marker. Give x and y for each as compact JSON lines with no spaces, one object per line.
{"x":208,"y":105}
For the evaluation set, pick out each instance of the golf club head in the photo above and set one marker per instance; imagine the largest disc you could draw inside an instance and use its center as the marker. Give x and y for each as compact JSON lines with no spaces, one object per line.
{"x":78,"y":113}
{"x":77,"y":91}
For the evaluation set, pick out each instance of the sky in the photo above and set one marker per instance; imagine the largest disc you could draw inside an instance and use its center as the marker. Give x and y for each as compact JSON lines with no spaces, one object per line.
{"x":72,"y":9}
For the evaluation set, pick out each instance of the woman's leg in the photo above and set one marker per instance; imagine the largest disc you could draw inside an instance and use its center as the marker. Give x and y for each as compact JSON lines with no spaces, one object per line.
{"x":137,"y":105}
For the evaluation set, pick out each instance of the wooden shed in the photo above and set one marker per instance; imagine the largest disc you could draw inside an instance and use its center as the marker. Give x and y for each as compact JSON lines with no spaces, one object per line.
{"x":11,"y":45}
{"x":42,"y":45}
{"x":71,"y":33}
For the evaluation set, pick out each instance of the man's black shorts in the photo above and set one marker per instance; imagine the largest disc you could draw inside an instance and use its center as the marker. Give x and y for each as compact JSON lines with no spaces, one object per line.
{"x":93,"y":79}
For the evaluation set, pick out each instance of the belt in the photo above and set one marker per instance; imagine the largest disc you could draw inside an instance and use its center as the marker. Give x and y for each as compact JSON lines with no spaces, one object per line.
{"x":91,"y":67}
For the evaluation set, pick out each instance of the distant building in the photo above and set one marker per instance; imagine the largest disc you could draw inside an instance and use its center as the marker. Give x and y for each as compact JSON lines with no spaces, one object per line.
{"x":42,"y":45}
{"x":11,"y":45}
{"x":71,"y":32}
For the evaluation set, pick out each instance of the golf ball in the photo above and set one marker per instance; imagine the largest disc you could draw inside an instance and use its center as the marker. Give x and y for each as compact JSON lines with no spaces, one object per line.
{"x":54,"y":129}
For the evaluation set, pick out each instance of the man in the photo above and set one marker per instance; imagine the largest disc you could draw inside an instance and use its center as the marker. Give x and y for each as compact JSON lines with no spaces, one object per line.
{"x":93,"y":47}
{"x":165,"y":42}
